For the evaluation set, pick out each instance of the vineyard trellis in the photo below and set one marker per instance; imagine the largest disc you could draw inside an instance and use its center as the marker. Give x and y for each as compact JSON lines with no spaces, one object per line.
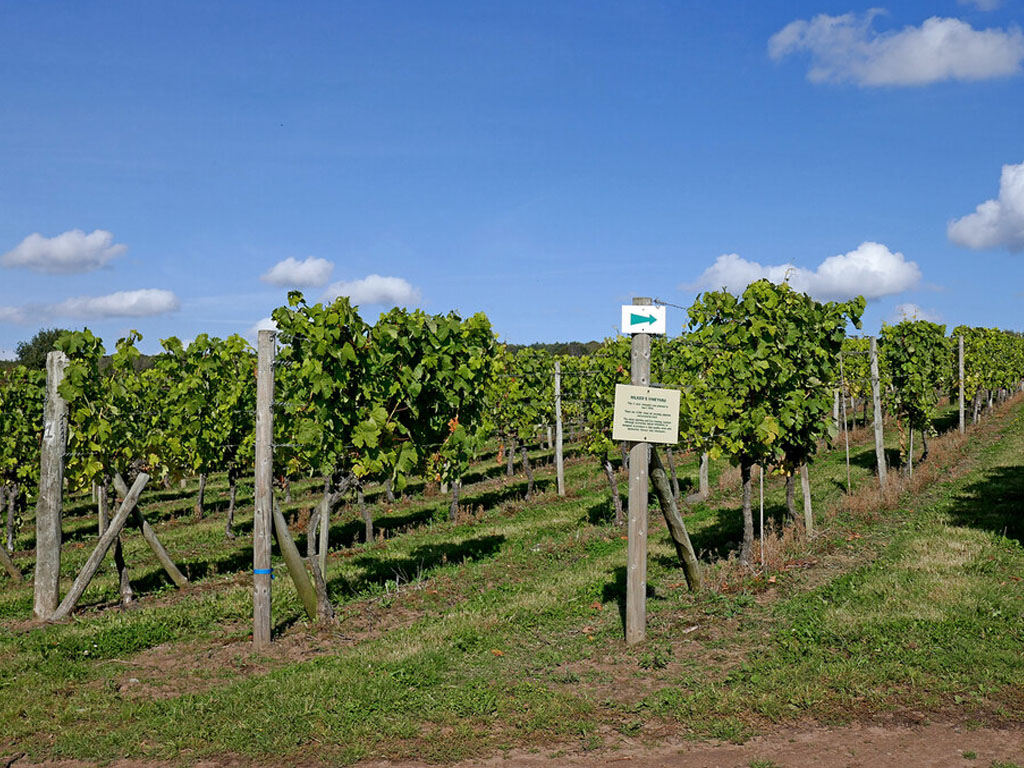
{"x":764,"y":377}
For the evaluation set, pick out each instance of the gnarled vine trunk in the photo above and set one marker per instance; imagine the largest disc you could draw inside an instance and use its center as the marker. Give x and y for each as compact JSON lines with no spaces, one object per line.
{"x":233,"y":489}
{"x":201,"y":497}
{"x":529,"y":473}
{"x":613,"y":483}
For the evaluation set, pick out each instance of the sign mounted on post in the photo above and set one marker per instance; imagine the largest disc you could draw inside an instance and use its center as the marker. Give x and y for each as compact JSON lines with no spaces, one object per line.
{"x":646,"y":414}
{"x":643,"y":319}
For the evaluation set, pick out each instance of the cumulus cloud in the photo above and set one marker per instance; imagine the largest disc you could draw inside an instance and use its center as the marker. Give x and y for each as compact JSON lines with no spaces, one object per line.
{"x":913,"y":312}
{"x":872,"y":271}
{"x":847,"y":49}
{"x":995,"y":223}
{"x":67,"y":253}
{"x":292,"y":273}
{"x":142,"y":303}
{"x":264,"y":324}
{"x":374,"y":289}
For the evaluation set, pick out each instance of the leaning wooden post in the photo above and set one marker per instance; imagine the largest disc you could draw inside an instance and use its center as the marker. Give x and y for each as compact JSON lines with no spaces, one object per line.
{"x":636,"y":569}
{"x":877,"y":397}
{"x":92,"y":564}
{"x":559,"y":458}
{"x":264,"y":481}
{"x":960,"y":344}
{"x":50,"y":507}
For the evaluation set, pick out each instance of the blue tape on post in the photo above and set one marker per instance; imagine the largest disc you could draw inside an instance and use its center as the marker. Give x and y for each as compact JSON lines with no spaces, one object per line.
{"x":264,"y":572}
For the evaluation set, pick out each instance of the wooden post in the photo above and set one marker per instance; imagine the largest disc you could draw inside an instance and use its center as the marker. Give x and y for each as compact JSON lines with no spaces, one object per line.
{"x":559,"y":458}
{"x":264,"y":490}
{"x":846,"y":425}
{"x":151,"y":538}
{"x":50,"y":507}
{"x":293,"y":560}
{"x":805,"y":486}
{"x":100,"y":551}
{"x":636,"y":569}
{"x":703,"y":485}
{"x":674,"y":521}
{"x":960,"y":344}
{"x":876,"y":396}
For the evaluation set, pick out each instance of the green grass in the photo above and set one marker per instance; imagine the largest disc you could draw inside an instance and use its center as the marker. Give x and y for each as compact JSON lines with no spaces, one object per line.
{"x":506,"y":630}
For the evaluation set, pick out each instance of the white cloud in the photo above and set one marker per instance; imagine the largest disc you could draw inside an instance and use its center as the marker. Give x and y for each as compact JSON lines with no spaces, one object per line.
{"x":846,"y":48}
{"x":13,"y":315}
{"x":67,"y":253}
{"x":913,"y":312}
{"x":995,"y":223}
{"x":142,"y":303}
{"x":374,"y":289}
{"x":292,"y":273}
{"x":982,"y":5}
{"x":872,"y":271}
{"x":264,"y":324}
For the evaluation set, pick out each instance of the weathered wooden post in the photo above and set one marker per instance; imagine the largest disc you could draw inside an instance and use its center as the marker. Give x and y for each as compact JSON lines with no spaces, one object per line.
{"x":264,"y":490}
{"x":960,"y":345}
{"x":876,"y":396}
{"x":50,"y":507}
{"x":559,"y":458}
{"x":805,"y":486}
{"x":636,"y":569}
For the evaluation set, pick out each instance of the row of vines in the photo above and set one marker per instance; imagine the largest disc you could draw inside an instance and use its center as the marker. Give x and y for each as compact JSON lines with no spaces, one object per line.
{"x":420,"y":396}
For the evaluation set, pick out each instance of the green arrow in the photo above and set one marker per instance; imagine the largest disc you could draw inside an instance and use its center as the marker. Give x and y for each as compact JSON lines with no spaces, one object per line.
{"x":634,"y":319}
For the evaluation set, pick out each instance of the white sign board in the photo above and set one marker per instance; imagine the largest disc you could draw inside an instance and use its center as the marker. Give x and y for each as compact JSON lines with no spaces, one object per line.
{"x":643,"y":319}
{"x":646,"y":414}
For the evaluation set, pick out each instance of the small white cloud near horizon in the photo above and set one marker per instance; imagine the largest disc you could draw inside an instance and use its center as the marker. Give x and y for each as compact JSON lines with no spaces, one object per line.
{"x":311,"y":272}
{"x":145,"y":302}
{"x":846,"y":49}
{"x":995,"y":223}
{"x":910,"y":311}
{"x":71,"y":252}
{"x":871,"y":271}
{"x":374,"y":289}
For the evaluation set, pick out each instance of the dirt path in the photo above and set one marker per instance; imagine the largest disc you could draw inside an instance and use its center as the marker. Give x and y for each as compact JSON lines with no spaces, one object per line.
{"x":927,"y":746}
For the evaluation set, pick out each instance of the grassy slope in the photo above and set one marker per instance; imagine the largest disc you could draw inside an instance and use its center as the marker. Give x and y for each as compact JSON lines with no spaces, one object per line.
{"x":506,"y":630}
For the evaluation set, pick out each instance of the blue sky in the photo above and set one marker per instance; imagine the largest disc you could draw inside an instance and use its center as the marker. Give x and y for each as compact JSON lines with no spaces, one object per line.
{"x":176,"y":167}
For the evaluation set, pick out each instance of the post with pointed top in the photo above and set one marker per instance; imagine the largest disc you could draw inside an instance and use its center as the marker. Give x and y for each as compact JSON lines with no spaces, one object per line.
{"x":876,"y":395}
{"x":264,"y":490}
{"x":559,"y":458}
{"x":636,"y":568}
{"x":50,"y":506}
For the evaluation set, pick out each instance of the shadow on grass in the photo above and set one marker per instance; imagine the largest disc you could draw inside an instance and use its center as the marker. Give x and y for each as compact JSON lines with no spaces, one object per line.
{"x":866,"y":460}
{"x":615,"y":590}
{"x":377,"y":570}
{"x":995,"y":503}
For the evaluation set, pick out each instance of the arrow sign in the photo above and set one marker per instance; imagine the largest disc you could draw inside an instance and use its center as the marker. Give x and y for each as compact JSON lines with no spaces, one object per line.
{"x":643,"y":319}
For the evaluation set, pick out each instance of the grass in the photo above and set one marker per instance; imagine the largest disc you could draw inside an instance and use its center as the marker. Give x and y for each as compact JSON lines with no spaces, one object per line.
{"x":505,"y":630}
